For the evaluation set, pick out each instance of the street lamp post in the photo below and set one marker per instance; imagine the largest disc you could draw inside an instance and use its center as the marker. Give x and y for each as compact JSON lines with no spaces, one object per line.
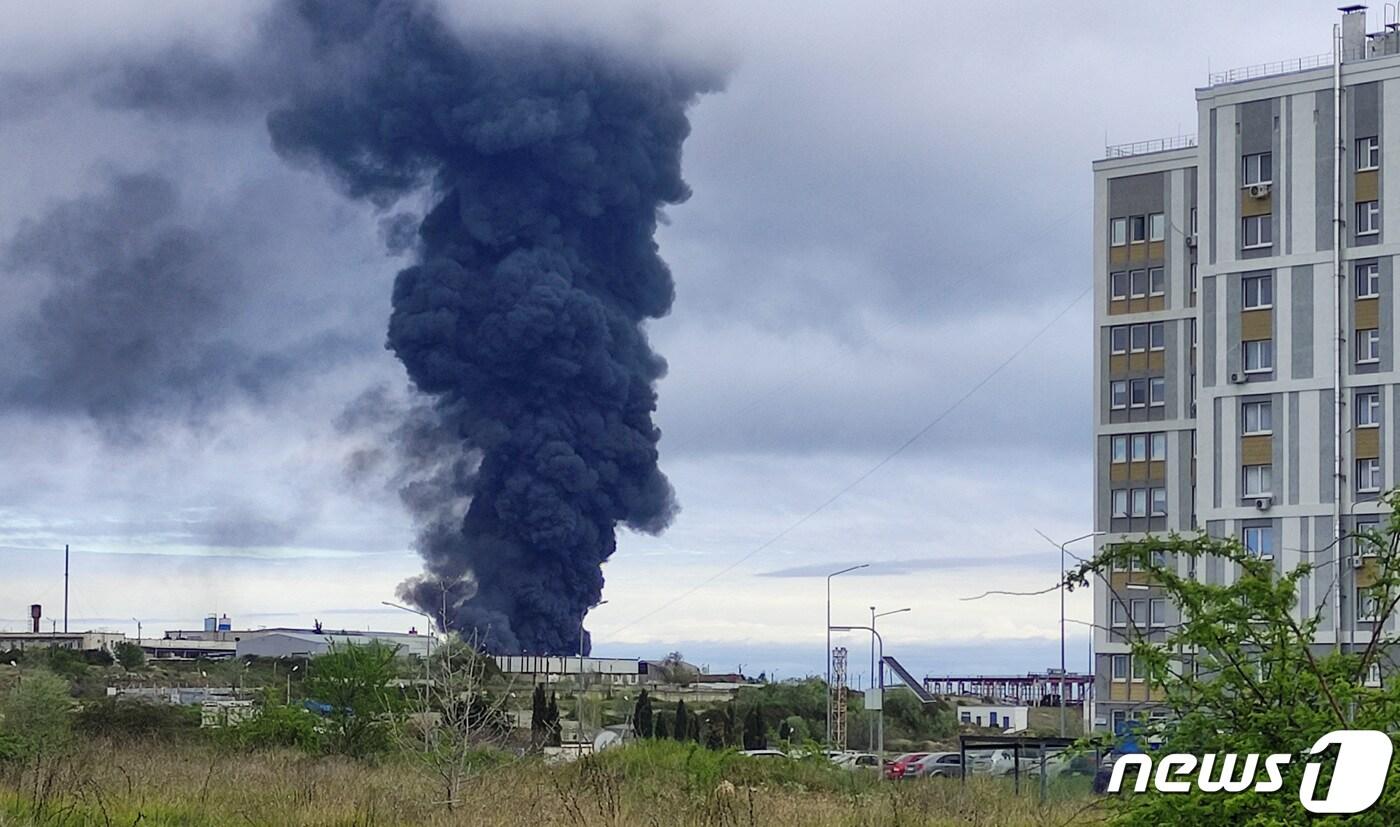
{"x":580,"y":673}
{"x":1061,"y":547}
{"x":427,"y":665}
{"x":880,"y":686}
{"x":827,"y":655}
{"x":880,"y":751}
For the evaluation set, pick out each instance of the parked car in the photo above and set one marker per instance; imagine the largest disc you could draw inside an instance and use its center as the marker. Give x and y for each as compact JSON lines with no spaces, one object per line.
{"x":936,"y":765}
{"x":895,"y":770}
{"x":867,"y":761}
{"x":764,"y":753}
{"x":990,"y":761}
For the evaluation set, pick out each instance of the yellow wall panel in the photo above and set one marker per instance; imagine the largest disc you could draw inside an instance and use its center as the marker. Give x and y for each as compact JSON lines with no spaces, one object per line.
{"x":1256,"y":324}
{"x":1367,"y":186}
{"x":1368,"y":313}
{"x":1367,"y":442}
{"x":1249,"y":205}
{"x":1256,"y":450}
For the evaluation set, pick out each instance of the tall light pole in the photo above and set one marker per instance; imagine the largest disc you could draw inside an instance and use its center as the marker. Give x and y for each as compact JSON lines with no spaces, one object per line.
{"x":427,"y":667}
{"x":871,"y":629}
{"x":138,"y":631}
{"x":880,"y":686}
{"x":580,"y":673}
{"x":1061,"y":547}
{"x":827,"y":655}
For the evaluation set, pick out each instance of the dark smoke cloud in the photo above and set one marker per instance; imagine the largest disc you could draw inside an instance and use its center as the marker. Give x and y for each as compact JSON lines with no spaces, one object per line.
{"x":521,"y":319}
{"x":547,"y":162}
{"x":139,"y":307}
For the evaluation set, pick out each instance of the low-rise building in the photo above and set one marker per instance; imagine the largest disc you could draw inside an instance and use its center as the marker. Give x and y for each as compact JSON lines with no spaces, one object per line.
{"x":1005,"y":718}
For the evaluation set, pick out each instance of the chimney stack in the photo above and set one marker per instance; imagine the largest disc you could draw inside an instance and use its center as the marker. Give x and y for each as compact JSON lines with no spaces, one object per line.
{"x":1353,"y":33}
{"x":36,"y":611}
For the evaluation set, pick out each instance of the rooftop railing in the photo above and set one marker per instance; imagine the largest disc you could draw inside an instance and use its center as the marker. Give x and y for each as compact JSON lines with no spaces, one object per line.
{"x":1145,"y":147}
{"x":1262,"y":70}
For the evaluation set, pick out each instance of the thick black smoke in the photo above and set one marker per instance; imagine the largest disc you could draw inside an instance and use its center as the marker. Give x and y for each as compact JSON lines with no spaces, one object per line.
{"x":548,"y":162}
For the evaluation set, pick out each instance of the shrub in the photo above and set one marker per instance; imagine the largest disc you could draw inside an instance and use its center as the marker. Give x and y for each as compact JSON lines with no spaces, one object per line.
{"x":37,"y":714}
{"x":114,"y":718}
{"x":275,"y":725}
{"x":130,"y":656}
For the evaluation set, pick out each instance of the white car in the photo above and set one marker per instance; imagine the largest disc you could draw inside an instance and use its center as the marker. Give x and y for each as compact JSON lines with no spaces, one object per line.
{"x":859,"y":761}
{"x":936,"y":765}
{"x":990,"y":761}
{"x":764,"y":753}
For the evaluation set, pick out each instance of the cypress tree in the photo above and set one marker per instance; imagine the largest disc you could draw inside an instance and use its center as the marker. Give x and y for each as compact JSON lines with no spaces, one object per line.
{"x":661,"y":729}
{"x":641,"y":716}
{"x":539,"y":711}
{"x":555,"y":738}
{"x":681,"y":730}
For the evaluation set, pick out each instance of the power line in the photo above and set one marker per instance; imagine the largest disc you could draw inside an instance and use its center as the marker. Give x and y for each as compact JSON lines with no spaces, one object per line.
{"x":869,"y":472}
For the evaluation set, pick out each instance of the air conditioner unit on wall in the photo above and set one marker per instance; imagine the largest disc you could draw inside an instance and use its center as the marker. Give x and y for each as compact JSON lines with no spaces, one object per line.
{"x":1259,"y":190}
{"x":1237,"y":379}
{"x":1357,"y":561}
{"x":1263,"y":503}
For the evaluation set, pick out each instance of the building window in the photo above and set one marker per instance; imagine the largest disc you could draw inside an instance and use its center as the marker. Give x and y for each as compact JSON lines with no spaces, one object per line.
{"x":1259,"y":168}
{"x":1158,"y":391}
{"x":1139,"y":502}
{"x":1368,"y":280}
{"x":1156,"y":227}
{"x":1137,"y":284}
{"x":1258,"y":231}
{"x":1137,"y":228}
{"x":1156,"y":282}
{"x":1120,"y":669}
{"x":1367,"y":605}
{"x":1120,"y":613}
{"x":1259,"y":541}
{"x":1118,"y":232}
{"x":1157,"y":336}
{"x":1118,"y":340}
{"x":1368,"y":153}
{"x":1118,"y":285}
{"x":1368,"y":217}
{"x":1118,"y":395}
{"x":1258,"y":417}
{"x":1193,"y":221}
{"x":1368,"y":409}
{"x":1373,"y":676}
{"x":1119,"y":449}
{"x":1137,"y":393}
{"x":1259,"y":356}
{"x":1159,"y":447}
{"x":1368,"y":476}
{"x":1139,"y":338}
{"x":1139,"y":670}
{"x":1139,"y":612}
{"x":1139,"y":448}
{"x":1159,"y":502}
{"x":1120,"y":502}
{"x":1258,"y":480}
{"x":1158,"y":612}
{"x":1368,"y":346}
{"x":1258,"y":292}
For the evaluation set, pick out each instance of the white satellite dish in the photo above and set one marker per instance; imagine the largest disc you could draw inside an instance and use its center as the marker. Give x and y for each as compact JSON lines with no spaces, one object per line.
{"x":607,"y":738}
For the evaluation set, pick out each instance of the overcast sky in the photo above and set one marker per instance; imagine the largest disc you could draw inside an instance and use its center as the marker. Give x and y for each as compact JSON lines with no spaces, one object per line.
{"x":890,"y":200}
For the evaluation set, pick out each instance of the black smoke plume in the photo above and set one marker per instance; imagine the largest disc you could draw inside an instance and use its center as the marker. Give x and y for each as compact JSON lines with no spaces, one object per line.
{"x":521,"y":319}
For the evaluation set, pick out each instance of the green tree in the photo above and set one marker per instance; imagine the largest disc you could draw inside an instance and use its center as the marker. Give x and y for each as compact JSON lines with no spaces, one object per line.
{"x":1240,"y":673}
{"x":36,"y":716}
{"x":553,"y":735}
{"x":129,"y":655}
{"x":539,"y":717}
{"x":663,"y":730}
{"x":354,"y":681}
{"x":642,"y":716}
{"x":755,"y":735}
{"x":681,"y":729}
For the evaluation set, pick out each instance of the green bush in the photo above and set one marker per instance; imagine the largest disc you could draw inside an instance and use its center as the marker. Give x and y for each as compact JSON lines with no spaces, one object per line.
{"x":113,"y":718}
{"x":275,"y":725}
{"x":129,"y":655}
{"x":36,"y":715}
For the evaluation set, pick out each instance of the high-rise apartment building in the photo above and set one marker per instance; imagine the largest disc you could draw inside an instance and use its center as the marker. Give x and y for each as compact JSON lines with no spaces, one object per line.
{"x":1244,"y":288}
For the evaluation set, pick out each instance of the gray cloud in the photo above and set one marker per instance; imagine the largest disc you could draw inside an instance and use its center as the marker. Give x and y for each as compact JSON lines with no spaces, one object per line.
{"x":912,"y":565}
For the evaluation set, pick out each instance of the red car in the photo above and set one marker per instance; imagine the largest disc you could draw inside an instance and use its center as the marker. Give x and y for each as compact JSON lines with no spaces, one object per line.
{"x":895,"y":769}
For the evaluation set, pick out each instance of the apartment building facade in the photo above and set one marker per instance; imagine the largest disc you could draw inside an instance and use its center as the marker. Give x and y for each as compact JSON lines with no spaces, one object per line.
{"x":1233,"y":291}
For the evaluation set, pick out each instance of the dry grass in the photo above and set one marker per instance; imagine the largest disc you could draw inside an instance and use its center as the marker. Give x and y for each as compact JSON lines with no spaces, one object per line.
{"x":198,"y":785}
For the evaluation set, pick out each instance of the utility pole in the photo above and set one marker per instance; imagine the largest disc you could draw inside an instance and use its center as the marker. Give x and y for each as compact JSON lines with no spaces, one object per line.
{"x":829,"y":711}
{"x":65,"y":588}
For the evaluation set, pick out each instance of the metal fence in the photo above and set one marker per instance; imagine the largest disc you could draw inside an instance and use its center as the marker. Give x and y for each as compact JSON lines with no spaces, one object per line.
{"x":1144,"y":147}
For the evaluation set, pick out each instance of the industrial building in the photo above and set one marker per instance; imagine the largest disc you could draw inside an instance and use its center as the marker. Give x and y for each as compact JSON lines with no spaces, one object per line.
{"x":218,"y":635}
{"x":1244,"y":374}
